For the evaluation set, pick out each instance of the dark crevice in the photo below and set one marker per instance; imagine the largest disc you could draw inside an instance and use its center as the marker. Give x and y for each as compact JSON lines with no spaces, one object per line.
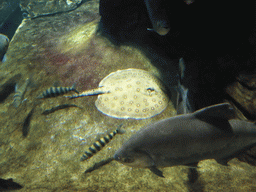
{"x":240,"y":107}
{"x":26,"y":124}
{"x":247,"y":86}
{"x":8,"y":87}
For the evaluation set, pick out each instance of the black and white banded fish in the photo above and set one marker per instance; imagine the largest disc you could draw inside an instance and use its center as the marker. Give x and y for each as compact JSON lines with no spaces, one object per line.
{"x":98,"y":145}
{"x":57,"y":91}
{"x":19,"y":92}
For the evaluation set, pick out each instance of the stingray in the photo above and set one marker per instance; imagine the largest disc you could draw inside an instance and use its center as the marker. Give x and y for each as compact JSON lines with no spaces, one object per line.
{"x":129,"y":93}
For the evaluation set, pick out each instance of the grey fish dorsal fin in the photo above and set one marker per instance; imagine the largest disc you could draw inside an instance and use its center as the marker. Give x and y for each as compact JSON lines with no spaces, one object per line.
{"x":222,"y":111}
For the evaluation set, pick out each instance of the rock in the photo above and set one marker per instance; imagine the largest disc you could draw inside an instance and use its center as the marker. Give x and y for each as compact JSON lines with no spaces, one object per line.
{"x":36,"y":8}
{"x":244,"y":97}
{"x":42,"y":152}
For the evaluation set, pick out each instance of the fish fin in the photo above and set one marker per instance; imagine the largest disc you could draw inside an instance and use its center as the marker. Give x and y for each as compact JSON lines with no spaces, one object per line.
{"x":16,"y":87}
{"x":181,"y":68}
{"x":192,"y":165}
{"x":4,"y":58}
{"x":223,"y":111}
{"x":150,"y":29}
{"x":183,"y":105}
{"x":40,"y":97}
{"x":74,"y":88}
{"x":222,"y":161}
{"x":74,"y":85}
{"x":120,"y":130}
{"x":156,"y":171}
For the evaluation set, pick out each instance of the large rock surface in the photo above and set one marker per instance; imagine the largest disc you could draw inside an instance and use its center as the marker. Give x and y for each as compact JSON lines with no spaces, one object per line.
{"x":36,"y":8}
{"x":42,"y":152}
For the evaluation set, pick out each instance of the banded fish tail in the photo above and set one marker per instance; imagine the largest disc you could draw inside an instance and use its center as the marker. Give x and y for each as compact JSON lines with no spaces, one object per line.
{"x":99,"y":144}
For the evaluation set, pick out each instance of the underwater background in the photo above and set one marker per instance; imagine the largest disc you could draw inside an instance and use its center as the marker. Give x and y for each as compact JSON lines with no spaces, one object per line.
{"x":61,"y":48}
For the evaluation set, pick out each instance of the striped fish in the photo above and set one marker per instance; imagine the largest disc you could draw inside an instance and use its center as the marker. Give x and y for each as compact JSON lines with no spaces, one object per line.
{"x":98,"y":145}
{"x":19,"y":92}
{"x":56,"y":91}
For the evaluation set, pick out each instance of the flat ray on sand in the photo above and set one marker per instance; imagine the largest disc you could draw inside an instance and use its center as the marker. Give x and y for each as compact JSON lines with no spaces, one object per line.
{"x":129,"y":93}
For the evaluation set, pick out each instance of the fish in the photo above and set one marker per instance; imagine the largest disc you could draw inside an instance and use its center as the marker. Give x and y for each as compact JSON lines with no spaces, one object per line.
{"x":99,"y":165}
{"x":26,"y":123}
{"x":59,"y":107}
{"x":19,"y":93}
{"x":158,"y":17}
{"x":209,"y":133}
{"x":57,"y":91}
{"x":4,"y":43}
{"x":183,"y":104}
{"x":9,"y":185}
{"x":129,"y":93}
{"x":99,"y":144}
{"x":188,"y":2}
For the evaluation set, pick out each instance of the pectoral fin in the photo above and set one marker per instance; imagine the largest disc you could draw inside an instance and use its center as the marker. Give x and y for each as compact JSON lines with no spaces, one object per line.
{"x":156,"y":171}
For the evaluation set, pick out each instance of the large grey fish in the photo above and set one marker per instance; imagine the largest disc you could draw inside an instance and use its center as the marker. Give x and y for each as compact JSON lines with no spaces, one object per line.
{"x":158,"y":17}
{"x":4,"y":43}
{"x":209,"y":133}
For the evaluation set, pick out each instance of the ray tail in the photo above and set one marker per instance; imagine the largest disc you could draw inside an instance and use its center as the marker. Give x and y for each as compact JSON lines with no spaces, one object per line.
{"x":89,"y":93}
